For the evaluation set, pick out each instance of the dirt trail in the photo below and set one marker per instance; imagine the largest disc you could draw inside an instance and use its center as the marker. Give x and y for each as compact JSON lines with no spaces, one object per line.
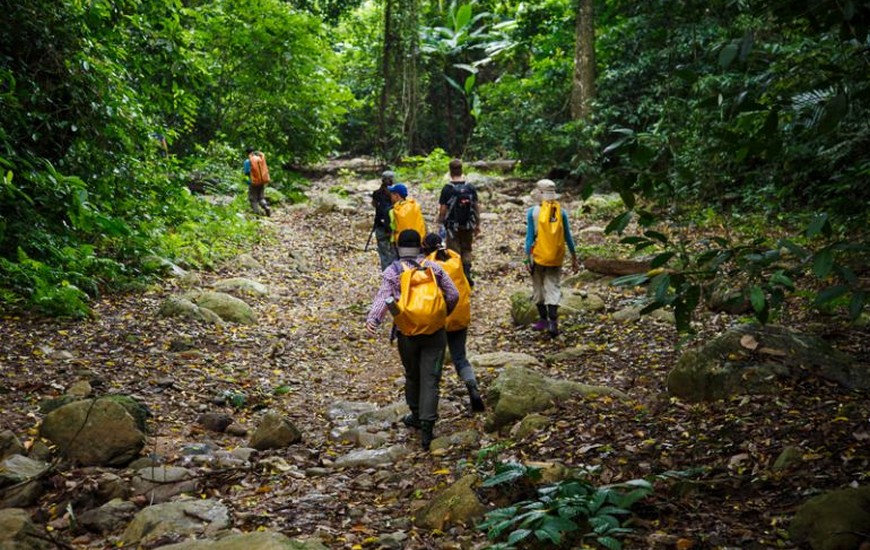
{"x":310,"y":350}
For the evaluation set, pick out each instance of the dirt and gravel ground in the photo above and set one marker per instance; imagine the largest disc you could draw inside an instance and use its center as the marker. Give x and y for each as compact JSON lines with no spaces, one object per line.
{"x":310,"y":345}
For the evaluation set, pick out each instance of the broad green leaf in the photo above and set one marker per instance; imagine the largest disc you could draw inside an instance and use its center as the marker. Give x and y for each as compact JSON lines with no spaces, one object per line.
{"x":662,"y":259}
{"x":463,"y":16}
{"x":756,"y":297}
{"x":619,"y":223}
{"x":630,"y":280}
{"x":820,"y":223}
{"x":609,"y":542}
{"x":823,"y":263}
{"x":657,"y":236}
{"x":728,"y":54}
{"x":830,"y":293}
{"x":518,"y":535}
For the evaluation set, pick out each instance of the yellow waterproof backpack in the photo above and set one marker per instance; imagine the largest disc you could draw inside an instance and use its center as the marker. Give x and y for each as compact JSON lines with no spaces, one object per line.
{"x":259,"y":169}
{"x":460,"y":317}
{"x":549,"y":247}
{"x":422,"y":308}
{"x":409,"y":216}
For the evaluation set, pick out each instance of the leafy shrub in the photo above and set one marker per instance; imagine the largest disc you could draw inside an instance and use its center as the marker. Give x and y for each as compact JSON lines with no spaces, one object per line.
{"x":570,"y":509}
{"x":426,"y":169}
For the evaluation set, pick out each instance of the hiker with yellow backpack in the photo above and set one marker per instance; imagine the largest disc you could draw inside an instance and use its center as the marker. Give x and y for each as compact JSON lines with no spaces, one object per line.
{"x":257,"y":171}
{"x":459,"y":318}
{"x":406,"y":212}
{"x":420,"y":295}
{"x":547,"y":235}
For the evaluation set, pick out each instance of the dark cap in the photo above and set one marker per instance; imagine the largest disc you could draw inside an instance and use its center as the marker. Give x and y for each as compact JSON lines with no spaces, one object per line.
{"x":409,"y":238}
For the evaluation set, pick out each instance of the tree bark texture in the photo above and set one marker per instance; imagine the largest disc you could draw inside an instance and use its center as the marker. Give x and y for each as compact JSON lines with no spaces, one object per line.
{"x":397,"y":120}
{"x":583,"y":84}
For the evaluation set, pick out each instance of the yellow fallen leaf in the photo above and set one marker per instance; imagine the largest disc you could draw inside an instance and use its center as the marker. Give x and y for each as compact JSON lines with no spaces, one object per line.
{"x":441,"y":472}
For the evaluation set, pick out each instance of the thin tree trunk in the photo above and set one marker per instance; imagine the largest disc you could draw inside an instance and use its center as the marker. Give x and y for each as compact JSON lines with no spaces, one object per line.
{"x":389,"y":45}
{"x":583,"y":85}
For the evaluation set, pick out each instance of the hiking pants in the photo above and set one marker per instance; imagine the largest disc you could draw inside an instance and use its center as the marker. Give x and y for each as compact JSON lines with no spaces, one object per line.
{"x":456,"y":344}
{"x":423,"y":358}
{"x":545,"y":285}
{"x":257,"y":198}
{"x":386,"y":253}
{"x":462,"y":241}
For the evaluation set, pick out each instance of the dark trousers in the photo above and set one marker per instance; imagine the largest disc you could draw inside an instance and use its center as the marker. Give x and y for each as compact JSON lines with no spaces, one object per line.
{"x":423,"y":359}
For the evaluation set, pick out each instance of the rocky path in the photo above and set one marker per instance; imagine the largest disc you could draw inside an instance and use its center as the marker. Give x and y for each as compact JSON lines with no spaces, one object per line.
{"x":309,"y":352}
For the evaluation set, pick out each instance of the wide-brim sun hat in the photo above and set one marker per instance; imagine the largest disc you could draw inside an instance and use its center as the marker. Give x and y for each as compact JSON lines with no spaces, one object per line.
{"x":545,"y":190}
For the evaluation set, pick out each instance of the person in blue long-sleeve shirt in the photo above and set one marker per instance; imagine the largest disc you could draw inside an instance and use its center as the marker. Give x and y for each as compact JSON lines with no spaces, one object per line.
{"x":548,"y":233}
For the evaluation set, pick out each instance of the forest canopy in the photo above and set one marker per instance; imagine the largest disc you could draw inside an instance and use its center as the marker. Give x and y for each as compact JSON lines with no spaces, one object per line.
{"x":760,"y":106}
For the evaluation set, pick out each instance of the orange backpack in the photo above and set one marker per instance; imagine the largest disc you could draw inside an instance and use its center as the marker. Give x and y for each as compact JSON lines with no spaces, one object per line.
{"x":259,"y":170}
{"x":409,"y":216}
{"x":549,"y":248}
{"x":422,"y":308}
{"x":460,"y":317}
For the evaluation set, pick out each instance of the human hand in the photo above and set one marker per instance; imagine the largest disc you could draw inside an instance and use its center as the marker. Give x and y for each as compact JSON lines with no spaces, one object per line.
{"x":575,"y":264}
{"x":371,"y":328}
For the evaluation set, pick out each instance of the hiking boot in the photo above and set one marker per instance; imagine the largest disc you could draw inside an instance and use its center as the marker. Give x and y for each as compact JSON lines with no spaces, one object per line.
{"x":477,"y":404}
{"x":268,"y":212}
{"x":411,"y":421}
{"x":426,"y":434}
{"x":553,"y":329}
{"x":541,"y":324}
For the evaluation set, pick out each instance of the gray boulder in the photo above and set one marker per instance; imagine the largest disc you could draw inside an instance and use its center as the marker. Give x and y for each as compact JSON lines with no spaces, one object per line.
{"x":17,"y":532}
{"x":161,"y":483}
{"x":186,"y":517}
{"x":229,"y":308}
{"x":94,"y":432}
{"x":456,"y":504}
{"x":109,"y":517}
{"x":175,"y":306}
{"x":275,"y":432}
{"x":748,"y":358}
{"x":265,"y":540}
{"x":518,"y":392}
{"x":833,"y":521}
{"x":10,"y":444}
{"x":240,"y":286}
{"x":371,"y":457}
{"x":502,"y":359}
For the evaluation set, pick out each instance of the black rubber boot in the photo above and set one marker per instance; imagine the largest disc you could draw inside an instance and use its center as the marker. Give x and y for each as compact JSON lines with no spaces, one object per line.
{"x":477,"y":404}
{"x":553,"y":313}
{"x":410,"y":420}
{"x":426,"y":434}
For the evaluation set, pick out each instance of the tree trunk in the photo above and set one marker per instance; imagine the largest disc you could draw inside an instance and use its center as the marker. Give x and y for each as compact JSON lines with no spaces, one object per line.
{"x":386,"y":65}
{"x":583,"y":85}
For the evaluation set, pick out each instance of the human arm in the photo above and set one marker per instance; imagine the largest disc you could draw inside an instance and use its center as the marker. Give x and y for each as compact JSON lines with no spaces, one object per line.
{"x":569,"y":241}
{"x":389,"y":287}
{"x":530,"y":231}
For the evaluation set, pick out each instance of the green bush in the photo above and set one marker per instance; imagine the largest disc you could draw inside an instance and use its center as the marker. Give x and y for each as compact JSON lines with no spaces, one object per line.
{"x":563,"y":512}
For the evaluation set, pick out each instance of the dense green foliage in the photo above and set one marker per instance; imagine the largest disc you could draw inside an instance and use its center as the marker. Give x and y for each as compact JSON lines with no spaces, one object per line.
{"x":757,"y":107}
{"x":85,"y":195}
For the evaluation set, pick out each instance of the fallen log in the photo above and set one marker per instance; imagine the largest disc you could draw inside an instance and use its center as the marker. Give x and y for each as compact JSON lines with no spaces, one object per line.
{"x":615,"y":268}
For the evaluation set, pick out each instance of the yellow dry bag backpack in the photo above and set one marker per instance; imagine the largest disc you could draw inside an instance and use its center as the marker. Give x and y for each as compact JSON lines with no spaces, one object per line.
{"x":422,"y":308}
{"x":409,"y":216}
{"x":259,"y":169}
{"x":549,"y":248}
{"x":460,"y":317}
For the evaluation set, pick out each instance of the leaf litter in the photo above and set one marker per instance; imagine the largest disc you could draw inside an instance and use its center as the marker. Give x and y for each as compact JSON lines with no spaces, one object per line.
{"x":711,"y":463}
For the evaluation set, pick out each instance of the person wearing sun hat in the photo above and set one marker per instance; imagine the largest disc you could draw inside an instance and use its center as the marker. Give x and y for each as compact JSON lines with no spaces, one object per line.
{"x":548,"y":233}
{"x":422,"y":355}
